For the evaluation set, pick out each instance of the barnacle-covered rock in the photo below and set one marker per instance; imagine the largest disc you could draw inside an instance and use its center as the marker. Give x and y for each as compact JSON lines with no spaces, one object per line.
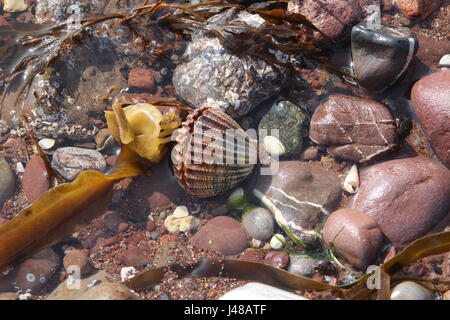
{"x":144,"y":128}
{"x":204,"y":162}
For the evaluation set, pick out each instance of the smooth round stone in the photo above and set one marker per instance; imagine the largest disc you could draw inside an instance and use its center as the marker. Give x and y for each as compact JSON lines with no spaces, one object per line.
{"x":35,"y":179}
{"x":259,"y":223}
{"x":278,"y":259}
{"x":291,"y":121}
{"x":277,"y":241}
{"x":7,"y":180}
{"x":381,"y":55}
{"x":259,"y":291}
{"x":302,"y":265}
{"x":409,"y":290}
{"x":77,"y":259}
{"x":355,"y":235}
{"x":431,"y":104}
{"x":221,"y":234}
{"x":445,"y":61}
{"x":408,"y":197}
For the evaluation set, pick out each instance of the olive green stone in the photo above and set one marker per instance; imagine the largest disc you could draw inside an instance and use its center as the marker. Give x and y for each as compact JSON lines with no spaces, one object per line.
{"x":292,"y":124}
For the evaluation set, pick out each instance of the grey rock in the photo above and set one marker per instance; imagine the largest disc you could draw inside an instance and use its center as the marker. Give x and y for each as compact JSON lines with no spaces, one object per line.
{"x":381,"y":55}
{"x":7,"y":180}
{"x":210,"y":75}
{"x":291,"y":121}
{"x":259,"y":223}
{"x":302,"y":265}
{"x":259,"y":291}
{"x":71,"y":161}
{"x":300,"y":194}
{"x":409,"y":290}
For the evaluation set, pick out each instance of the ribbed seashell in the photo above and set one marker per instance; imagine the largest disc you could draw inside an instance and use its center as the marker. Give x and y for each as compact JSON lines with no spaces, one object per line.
{"x":203,"y":172}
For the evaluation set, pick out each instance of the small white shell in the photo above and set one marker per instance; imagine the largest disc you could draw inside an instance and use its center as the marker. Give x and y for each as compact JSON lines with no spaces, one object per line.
{"x":181,"y":212}
{"x":127,"y":273}
{"x":277,"y":241}
{"x":46,"y":143}
{"x":351,"y":181}
{"x":445,"y":61}
{"x":273,"y":146}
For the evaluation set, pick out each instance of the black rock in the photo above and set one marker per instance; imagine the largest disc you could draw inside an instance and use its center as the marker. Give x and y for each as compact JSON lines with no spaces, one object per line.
{"x":381,"y":55}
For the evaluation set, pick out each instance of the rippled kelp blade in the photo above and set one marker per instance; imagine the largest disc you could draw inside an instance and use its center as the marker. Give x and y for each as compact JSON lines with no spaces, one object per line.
{"x":426,"y":246}
{"x":241,"y":270}
{"x":63,"y":210}
{"x":253,"y":271}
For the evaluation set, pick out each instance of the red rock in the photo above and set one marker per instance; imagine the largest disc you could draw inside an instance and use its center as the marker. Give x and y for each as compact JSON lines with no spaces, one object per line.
{"x":141,"y":78}
{"x":111,"y":160}
{"x":310,"y":154}
{"x":101,"y":136}
{"x":35,"y":179}
{"x":151,"y":225}
{"x":135,"y":257}
{"x":407,"y":197}
{"x":278,"y":259}
{"x":3,"y":21}
{"x":352,"y":128}
{"x":114,"y":222}
{"x":105,"y":242}
{"x":167,"y":238}
{"x":431,"y":104}
{"x":221,"y":234}
{"x":34,"y":274}
{"x":355,"y":235}
{"x":418,"y":9}
{"x":252,"y":255}
{"x":333,"y":17}
{"x":78,"y":258}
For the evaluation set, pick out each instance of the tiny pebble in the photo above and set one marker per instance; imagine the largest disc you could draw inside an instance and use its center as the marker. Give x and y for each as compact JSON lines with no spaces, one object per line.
{"x":277,"y":241}
{"x":46,"y":143}
{"x":181,"y":212}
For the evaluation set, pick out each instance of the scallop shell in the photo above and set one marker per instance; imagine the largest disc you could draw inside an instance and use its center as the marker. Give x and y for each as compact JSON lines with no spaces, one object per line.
{"x":194,"y":168}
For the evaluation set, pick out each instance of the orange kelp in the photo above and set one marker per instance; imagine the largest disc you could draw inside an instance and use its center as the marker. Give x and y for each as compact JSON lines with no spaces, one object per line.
{"x":253,"y":271}
{"x":63,"y":210}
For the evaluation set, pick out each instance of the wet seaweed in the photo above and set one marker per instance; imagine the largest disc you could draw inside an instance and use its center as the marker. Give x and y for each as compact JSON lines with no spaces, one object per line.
{"x":253,"y":271}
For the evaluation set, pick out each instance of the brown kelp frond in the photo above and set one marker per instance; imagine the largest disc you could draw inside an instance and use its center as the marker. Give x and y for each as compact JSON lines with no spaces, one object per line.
{"x":63,"y":210}
{"x":252,"y":271}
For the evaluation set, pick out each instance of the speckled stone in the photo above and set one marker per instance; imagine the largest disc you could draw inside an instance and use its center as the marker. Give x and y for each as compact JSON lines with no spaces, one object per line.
{"x":259,"y":223}
{"x":292,"y":124}
{"x":302,"y":265}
